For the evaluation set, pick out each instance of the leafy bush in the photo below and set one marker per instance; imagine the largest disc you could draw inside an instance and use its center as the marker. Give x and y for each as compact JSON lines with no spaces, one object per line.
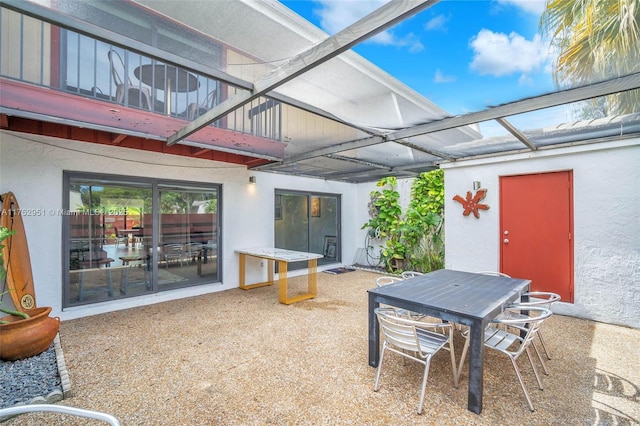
{"x":412,"y":240}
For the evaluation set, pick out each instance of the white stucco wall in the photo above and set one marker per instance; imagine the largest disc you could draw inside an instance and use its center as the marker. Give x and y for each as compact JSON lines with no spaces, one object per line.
{"x":606,"y":214}
{"x":32,"y":168}
{"x":606,"y":178}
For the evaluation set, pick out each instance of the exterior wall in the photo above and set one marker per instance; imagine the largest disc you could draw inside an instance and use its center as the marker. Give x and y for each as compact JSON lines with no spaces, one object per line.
{"x":32,"y":166}
{"x":606,"y":223}
{"x":36,"y":53}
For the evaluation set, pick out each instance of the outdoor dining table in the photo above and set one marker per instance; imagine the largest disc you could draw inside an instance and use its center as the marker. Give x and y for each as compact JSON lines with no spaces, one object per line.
{"x":283,"y":257}
{"x":471,"y":299}
{"x":169,"y":78}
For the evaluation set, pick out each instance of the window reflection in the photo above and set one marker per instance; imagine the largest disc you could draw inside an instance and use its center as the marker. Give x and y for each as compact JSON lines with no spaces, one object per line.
{"x":112,"y":227}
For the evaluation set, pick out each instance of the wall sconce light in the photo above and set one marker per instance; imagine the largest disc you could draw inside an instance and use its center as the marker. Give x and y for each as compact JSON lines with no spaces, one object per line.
{"x":252,"y":179}
{"x":476,"y":185}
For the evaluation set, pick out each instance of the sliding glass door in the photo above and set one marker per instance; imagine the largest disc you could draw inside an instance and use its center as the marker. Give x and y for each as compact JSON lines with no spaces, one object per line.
{"x":127,"y":236}
{"x":308,"y":222}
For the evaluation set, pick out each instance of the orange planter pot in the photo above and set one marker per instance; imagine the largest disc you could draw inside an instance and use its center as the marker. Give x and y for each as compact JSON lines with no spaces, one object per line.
{"x":22,"y":338}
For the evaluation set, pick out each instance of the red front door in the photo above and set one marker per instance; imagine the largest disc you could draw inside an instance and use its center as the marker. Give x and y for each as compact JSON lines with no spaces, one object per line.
{"x":536,"y":230}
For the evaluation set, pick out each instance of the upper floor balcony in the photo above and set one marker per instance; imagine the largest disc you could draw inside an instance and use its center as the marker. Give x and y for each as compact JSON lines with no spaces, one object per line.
{"x":51,"y":57}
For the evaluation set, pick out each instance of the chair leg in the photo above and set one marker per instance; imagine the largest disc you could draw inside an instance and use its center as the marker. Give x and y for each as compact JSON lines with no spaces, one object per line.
{"x":535,"y":370}
{"x":524,"y":389}
{"x":544,"y":365}
{"x":463,"y":356}
{"x":454,"y":365}
{"x":427,"y":362}
{"x":544,"y":347}
{"x":376,"y":383}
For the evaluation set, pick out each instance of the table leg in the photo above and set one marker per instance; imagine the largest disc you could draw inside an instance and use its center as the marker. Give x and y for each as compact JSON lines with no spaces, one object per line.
{"x":476,"y":367}
{"x":312,"y":283}
{"x":242,"y":278}
{"x":241,"y":265}
{"x":282,"y":281}
{"x":312,"y":266}
{"x":374,"y":332}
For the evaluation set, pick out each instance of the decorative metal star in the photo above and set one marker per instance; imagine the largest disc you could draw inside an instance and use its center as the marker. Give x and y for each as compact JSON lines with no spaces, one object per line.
{"x":472,"y":205}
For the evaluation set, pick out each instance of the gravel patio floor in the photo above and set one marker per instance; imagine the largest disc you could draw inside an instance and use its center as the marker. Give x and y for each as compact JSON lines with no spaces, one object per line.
{"x":241,"y":358}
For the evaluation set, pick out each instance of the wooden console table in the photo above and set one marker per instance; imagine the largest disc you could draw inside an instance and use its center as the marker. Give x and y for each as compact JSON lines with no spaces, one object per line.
{"x":283,"y":257}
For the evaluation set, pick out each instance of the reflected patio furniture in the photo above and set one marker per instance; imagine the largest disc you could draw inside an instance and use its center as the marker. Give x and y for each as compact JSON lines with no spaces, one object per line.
{"x":132,"y":236}
{"x":515,"y":340}
{"x":173,"y":252}
{"x":127,"y":93}
{"x":92,"y":281}
{"x":168,"y":78}
{"x":121,"y":238}
{"x":415,"y":340}
{"x":195,"y":110}
{"x":129,"y":279}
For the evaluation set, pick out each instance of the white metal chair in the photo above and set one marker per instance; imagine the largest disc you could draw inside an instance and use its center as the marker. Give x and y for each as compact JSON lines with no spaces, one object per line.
{"x":139,"y":96}
{"x":542,"y":299}
{"x":415,"y":340}
{"x":6,"y":413}
{"x":495,"y":273}
{"x":511,"y":315}
{"x":381,"y":281}
{"x":173,"y":252}
{"x":386,"y":280}
{"x":526,"y":320}
{"x":192,"y":250}
{"x":195,"y":110}
{"x":120,"y":238}
{"x":410,"y":274}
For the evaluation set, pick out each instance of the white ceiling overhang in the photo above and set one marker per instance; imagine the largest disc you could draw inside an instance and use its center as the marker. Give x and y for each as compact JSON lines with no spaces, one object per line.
{"x":372,"y":125}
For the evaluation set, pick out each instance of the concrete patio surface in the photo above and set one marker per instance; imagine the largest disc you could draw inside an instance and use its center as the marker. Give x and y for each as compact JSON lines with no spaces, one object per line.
{"x":241,"y":358}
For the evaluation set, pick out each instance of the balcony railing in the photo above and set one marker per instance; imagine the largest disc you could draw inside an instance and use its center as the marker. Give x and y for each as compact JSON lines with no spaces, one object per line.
{"x":44,"y":54}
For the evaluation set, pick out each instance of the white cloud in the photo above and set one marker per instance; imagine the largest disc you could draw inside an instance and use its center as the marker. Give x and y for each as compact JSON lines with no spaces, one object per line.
{"x":499,"y":54}
{"x":525,"y":80}
{"x":534,"y":7}
{"x":440,"y":77}
{"x":337,"y":15}
{"x":438,"y":22}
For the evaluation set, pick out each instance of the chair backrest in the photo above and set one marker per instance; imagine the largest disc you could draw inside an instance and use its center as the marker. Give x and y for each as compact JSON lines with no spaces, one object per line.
{"x":495,"y":274}
{"x":541,"y":298}
{"x":410,"y":335}
{"x":410,"y":274}
{"x":527,"y":319}
{"x":173,"y":248}
{"x":195,"y":110}
{"x":116,"y":62}
{"x":380,"y":281}
{"x":211,"y":100}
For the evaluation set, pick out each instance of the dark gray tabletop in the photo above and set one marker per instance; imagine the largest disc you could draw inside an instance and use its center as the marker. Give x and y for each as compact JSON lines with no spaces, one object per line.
{"x":466,"y":298}
{"x":158,"y":76}
{"x":457,"y":293}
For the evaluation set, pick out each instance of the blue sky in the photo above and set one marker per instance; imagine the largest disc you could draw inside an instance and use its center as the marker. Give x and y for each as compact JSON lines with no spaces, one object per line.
{"x":462,"y":55}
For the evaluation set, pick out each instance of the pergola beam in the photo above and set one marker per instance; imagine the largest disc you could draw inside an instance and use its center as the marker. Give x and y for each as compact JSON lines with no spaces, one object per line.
{"x":516,"y":133}
{"x":553,"y":99}
{"x":372,"y":24}
{"x":595,"y":90}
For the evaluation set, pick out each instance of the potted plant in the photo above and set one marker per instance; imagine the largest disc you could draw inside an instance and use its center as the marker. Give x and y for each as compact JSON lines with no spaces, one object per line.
{"x":23,"y":334}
